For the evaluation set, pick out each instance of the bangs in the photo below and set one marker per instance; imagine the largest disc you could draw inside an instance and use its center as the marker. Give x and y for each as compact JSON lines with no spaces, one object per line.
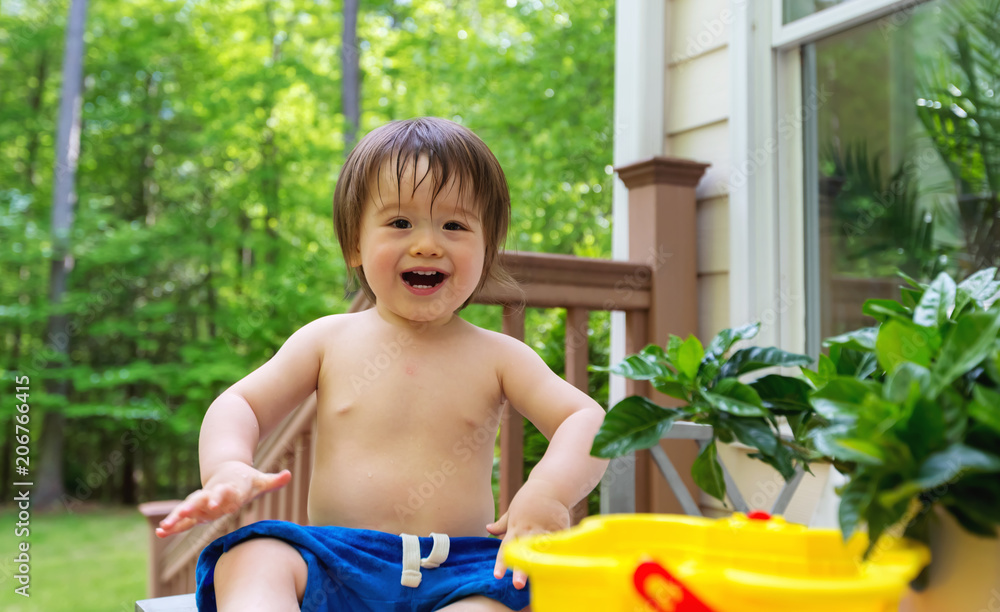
{"x":448,"y":165}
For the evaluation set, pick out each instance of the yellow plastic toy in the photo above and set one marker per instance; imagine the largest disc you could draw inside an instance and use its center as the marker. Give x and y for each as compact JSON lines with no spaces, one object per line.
{"x":669,"y":563}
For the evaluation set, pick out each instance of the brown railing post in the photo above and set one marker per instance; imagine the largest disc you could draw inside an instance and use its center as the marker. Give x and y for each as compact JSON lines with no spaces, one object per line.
{"x":155,"y":512}
{"x":511,"y":424}
{"x":662,"y":234}
{"x":577,"y":358}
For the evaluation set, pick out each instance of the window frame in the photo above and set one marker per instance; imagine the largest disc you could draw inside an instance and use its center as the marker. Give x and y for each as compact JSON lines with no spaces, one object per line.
{"x":773,"y":268}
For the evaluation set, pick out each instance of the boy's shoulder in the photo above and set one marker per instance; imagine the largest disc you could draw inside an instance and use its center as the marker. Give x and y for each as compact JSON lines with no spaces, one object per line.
{"x":328,"y":322}
{"x":326,"y":327}
{"x":496,"y":341}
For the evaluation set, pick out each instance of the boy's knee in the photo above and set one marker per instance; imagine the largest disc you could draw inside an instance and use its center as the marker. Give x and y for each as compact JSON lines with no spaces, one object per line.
{"x":263,"y":559}
{"x":479,"y":603}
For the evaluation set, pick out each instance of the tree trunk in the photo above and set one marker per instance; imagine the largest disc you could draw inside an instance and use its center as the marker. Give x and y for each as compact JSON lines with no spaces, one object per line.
{"x":269,"y":151}
{"x":50,"y":474}
{"x":129,"y":495}
{"x":351,"y":75}
{"x":36,"y":106}
{"x":7,"y":461}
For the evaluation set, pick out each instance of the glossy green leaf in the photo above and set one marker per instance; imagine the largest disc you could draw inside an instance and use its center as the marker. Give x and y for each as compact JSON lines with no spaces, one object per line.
{"x":992,"y":364}
{"x":880,"y":518}
{"x":910,"y":297}
{"x":980,"y":286}
{"x":943,"y":468}
{"x":924,"y":431}
{"x":707,"y":472}
{"x":835,"y":441}
{"x":755,"y":433}
{"x":781,"y":460}
{"x":672,"y":388}
{"x":856,"y":496}
{"x":632,"y":424}
{"x":841,"y":398}
{"x":859,"y":340}
{"x":905,"y":382}
{"x":936,"y":303}
{"x":689,"y":357}
{"x":900,"y":341}
{"x":985,"y":407}
{"x":674,"y":344}
{"x":883,"y":310}
{"x":979,"y":494}
{"x":970,"y":342}
{"x":783,"y":393}
{"x":640,"y":367}
{"x":709,"y":369}
{"x":756,"y":358}
{"x":725,"y":339}
{"x":735,"y":398}
{"x":912,"y":282}
{"x":813,"y":377}
{"x":655,"y":352}
{"x":825,"y":371}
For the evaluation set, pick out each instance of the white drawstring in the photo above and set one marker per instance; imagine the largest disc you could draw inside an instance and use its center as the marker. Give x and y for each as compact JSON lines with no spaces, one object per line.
{"x":412,"y":561}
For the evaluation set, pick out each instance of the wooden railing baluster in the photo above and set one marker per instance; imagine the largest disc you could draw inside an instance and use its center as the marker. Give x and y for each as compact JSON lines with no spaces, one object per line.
{"x":577,"y":359}
{"x":511,"y":424}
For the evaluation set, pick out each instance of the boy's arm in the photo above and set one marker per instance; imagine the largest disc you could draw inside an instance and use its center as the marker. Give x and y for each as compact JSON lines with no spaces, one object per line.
{"x":567,"y":472}
{"x":237,"y":420}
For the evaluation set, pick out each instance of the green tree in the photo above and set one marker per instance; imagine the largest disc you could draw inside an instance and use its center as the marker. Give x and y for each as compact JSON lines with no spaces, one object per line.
{"x":211,"y":139}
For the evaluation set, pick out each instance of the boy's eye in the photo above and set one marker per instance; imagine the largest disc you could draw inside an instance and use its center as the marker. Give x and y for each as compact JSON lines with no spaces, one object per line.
{"x":400,"y":224}
{"x":453,"y":225}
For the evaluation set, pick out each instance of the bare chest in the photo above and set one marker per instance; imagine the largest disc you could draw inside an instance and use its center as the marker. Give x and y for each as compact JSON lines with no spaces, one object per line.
{"x":406,"y":386}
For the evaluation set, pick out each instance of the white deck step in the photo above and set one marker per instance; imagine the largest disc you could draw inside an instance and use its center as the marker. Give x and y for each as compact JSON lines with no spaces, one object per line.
{"x":177,"y":603}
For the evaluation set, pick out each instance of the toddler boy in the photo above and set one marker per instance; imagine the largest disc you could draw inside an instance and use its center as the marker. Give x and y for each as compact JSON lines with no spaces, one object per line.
{"x":421,"y":210}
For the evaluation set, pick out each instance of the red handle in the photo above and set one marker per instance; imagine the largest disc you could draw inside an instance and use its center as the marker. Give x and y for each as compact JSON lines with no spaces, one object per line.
{"x":678,"y":597}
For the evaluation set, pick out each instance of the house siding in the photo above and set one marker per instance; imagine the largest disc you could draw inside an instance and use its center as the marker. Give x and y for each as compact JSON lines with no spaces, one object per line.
{"x":696,"y":123}
{"x":696,"y":116}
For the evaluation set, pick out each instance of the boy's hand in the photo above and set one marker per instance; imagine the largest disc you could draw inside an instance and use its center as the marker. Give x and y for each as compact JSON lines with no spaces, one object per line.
{"x":228,"y":490}
{"x":533,"y":510}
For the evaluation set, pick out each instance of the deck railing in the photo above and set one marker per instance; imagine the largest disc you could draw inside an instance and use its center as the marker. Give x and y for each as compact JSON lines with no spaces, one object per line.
{"x":656,"y":290}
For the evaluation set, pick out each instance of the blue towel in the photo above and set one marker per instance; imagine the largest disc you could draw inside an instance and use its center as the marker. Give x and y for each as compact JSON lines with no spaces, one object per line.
{"x":360,"y":570}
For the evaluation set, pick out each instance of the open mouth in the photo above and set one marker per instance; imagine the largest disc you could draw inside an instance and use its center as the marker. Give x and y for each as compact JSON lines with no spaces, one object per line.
{"x":423,"y":279}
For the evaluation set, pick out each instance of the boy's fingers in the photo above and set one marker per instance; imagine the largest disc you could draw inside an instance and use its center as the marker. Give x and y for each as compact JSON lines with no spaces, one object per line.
{"x":499,"y":527}
{"x":520,"y":579}
{"x":275,"y":481}
{"x":177,"y":513}
{"x":500,"y":568}
{"x":179,"y":526}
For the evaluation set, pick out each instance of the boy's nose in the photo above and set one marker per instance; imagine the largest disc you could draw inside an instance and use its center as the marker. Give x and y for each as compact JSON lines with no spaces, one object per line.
{"x":425,"y":243}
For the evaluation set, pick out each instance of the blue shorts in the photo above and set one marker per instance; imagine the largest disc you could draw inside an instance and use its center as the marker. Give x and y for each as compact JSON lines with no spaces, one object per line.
{"x":361,"y":570}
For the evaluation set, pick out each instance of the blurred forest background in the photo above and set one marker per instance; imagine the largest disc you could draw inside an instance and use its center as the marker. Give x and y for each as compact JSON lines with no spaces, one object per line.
{"x":212,"y":134}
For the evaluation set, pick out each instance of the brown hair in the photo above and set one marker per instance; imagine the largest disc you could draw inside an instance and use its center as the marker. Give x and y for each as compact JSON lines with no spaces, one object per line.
{"x":454,"y":153}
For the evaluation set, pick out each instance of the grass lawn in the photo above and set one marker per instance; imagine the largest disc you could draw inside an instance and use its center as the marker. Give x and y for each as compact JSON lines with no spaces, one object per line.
{"x":87,"y":561}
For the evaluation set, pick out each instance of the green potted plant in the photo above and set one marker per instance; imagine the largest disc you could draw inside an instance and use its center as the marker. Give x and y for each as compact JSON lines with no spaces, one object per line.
{"x":908,"y":410}
{"x":910,"y":413}
{"x":705,"y":381}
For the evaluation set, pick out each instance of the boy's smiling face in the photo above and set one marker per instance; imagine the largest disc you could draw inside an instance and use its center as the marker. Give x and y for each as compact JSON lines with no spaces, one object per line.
{"x":422,"y":254}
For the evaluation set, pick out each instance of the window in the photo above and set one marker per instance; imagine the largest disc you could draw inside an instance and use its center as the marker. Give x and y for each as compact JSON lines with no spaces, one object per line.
{"x":905,"y":157}
{"x":797,"y":9}
{"x":894,"y":163}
